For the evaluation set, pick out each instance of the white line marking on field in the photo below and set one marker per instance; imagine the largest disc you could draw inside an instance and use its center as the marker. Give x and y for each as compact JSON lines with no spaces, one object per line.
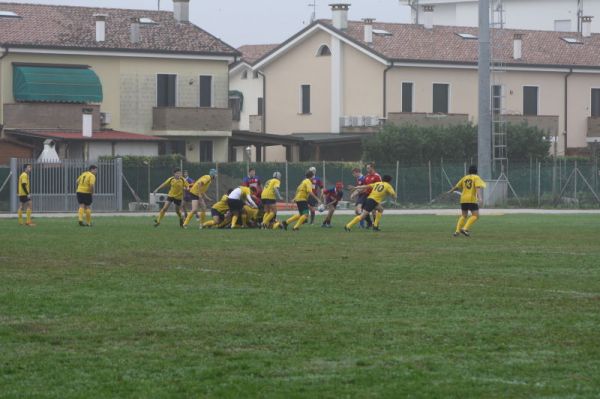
{"x":530,"y":289}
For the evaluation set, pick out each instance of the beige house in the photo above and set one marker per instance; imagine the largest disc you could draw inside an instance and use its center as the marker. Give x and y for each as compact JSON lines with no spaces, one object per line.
{"x":115,"y":70}
{"x":338,"y":79}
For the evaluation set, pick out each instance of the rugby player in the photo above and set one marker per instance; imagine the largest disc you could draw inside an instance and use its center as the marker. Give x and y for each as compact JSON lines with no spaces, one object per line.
{"x":317,"y":188}
{"x":331,"y":197}
{"x":269,"y":197}
{"x":236,"y":200}
{"x":24,"y":192}
{"x":198,"y":196}
{"x":303,"y":193}
{"x":470,"y":199}
{"x":379,"y":192}
{"x":177,"y":185}
{"x":85,"y":191}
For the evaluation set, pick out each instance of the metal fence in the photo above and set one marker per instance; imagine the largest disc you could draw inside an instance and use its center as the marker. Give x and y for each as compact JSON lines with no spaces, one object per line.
{"x":53,"y":185}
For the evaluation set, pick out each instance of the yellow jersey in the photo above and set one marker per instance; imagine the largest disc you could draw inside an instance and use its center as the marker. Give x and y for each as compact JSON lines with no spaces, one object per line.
{"x":251,"y":212}
{"x":24,"y":180}
{"x":201,"y":185}
{"x":270,"y":188}
{"x":303,"y":190}
{"x":221,"y":205}
{"x":380,"y":190}
{"x":176,"y":188}
{"x":468,"y":186}
{"x":85,"y":182}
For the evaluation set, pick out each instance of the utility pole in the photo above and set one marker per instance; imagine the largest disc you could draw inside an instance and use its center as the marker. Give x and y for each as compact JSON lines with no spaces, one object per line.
{"x":158,"y":5}
{"x":313,"y":15}
{"x":484,"y":131}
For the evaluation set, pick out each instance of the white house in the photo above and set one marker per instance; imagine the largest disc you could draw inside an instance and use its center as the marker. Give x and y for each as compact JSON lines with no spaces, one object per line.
{"x":556,"y":15}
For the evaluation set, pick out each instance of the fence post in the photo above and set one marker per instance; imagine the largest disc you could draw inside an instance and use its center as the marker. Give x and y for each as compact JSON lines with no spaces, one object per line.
{"x":324,"y":177}
{"x":397,"y":174}
{"x":13,"y":184}
{"x":119,"y":183}
{"x":430,"y":192}
{"x":217,"y":181}
{"x":464,"y":168}
{"x":575,"y":173}
{"x":539,"y":188}
{"x":66,"y":169}
{"x":286,"y":182}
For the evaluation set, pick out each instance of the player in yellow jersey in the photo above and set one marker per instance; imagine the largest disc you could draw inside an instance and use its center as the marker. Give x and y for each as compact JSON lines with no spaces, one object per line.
{"x":218,"y":211}
{"x":471,"y":198}
{"x":236,"y":200}
{"x":269,"y":197}
{"x":303,"y":193}
{"x":198,"y":195}
{"x":177,"y":185}
{"x":85,"y":191}
{"x":24,"y":191}
{"x":379,"y":192}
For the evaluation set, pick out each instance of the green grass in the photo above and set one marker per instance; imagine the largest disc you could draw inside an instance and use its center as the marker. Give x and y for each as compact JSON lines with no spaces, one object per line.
{"x":127,"y":310}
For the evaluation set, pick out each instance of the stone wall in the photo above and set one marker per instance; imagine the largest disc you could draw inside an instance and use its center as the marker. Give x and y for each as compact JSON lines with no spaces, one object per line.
{"x":192,"y":119}
{"x":51,"y":116}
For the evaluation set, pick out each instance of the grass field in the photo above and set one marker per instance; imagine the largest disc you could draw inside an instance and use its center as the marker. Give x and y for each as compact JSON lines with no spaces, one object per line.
{"x":127,"y":310}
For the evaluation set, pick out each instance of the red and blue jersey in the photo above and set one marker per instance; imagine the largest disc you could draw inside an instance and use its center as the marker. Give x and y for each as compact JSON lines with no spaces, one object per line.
{"x":250,"y":181}
{"x":360,"y":180}
{"x":317,"y":184}
{"x":333,"y":195}
{"x":370,"y":179}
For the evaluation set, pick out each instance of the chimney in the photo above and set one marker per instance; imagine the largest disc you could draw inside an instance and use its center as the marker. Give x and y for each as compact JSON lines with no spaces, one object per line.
{"x":86,"y":122}
{"x":181,"y":10}
{"x":586,"y":26}
{"x":340,"y":15}
{"x":100,"y":27}
{"x":135,"y":30}
{"x":368,"y":29}
{"x":428,"y":17}
{"x":517,"y":46}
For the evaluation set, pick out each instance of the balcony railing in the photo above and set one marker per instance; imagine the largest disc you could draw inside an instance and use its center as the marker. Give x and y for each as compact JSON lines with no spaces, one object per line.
{"x":50,"y":116}
{"x":593,"y":130}
{"x":191,"y":119}
{"x":256,"y":123}
{"x":423,"y":119}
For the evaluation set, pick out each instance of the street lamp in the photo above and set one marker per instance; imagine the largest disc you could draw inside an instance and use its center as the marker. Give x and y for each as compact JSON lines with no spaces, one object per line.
{"x":248,"y":151}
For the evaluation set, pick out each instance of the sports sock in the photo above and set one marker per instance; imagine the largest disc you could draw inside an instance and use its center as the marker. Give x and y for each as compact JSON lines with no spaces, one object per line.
{"x":368,"y":220}
{"x":28,"y":220}
{"x":378,"y":216}
{"x":88,"y":216}
{"x":353,"y":222}
{"x":20,"y":216}
{"x":234,"y":220}
{"x":202,"y":217}
{"x":161,"y":215}
{"x":268,"y":217}
{"x":276,"y":225}
{"x":470,"y":222}
{"x":312,"y":217}
{"x":244,"y":220}
{"x":461,"y":223}
{"x":292,"y":219}
{"x":80,"y":214}
{"x":210,"y":223}
{"x":188,"y":219}
{"x":179,"y":214}
{"x":300,"y":221}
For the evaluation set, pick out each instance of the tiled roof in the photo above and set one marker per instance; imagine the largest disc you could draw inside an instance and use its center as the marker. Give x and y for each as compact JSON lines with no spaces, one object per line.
{"x":103,"y":135}
{"x":51,"y":26}
{"x":253,"y":52}
{"x":410,"y":42}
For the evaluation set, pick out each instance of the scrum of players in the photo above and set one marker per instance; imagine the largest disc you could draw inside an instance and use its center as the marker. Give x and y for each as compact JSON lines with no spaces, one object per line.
{"x":252,"y":205}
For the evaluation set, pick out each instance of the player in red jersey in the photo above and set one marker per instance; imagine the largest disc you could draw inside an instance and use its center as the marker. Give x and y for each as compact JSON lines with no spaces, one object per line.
{"x":252,"y":181}
{"x":371,"y":177}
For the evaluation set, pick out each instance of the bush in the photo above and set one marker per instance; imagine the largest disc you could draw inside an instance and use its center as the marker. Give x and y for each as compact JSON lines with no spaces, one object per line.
{"x":161,"y":160}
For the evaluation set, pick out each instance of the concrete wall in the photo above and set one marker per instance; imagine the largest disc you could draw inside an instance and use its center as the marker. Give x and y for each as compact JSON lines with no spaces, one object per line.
{"x":137,"y":149}
{"x":548,"y":124}
{"x":198,"y":119}
{"x":48,"y":116}
{"x":10,"y":149}
{"x":426,"y":120}
{"x":285,"y":75}
{"x":252,"y":88}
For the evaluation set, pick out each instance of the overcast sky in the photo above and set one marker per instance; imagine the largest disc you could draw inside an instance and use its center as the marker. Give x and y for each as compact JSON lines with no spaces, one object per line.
{"x":253,"y":21}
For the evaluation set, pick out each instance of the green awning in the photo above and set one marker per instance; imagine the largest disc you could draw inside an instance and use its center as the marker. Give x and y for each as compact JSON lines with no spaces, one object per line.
{"x":56,"y":85}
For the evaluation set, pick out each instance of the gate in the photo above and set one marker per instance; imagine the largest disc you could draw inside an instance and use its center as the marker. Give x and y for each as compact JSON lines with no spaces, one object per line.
{"x":53,"y":184}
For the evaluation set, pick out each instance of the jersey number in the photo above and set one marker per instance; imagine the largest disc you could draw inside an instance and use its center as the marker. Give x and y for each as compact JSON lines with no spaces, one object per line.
{"x":379,"y":188}
{"x":469,"y":183}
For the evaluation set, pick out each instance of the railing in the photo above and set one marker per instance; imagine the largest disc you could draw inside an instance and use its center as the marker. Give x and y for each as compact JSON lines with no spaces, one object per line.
{"x":423,"y":119}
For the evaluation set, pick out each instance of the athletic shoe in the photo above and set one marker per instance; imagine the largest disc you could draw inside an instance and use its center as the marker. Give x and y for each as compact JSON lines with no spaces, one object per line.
{"x":465,"y":233}
{"x":375,"y":228}
{"x":30,"y":224}
{"x":324,"y":225}
{"x":181,"y":223}
{"x":296,"y":229}
{"x":81,"y":224}
{"x":347,"y":229}
{"x":284,"y":224}
{"x":455,"y":234}
{"x":156,"y":223}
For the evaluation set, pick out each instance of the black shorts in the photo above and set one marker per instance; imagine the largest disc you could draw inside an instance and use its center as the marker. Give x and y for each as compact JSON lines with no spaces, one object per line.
{"x":370,"y":205}
{"x":467,"y":206}
{"x":235,"y":205}
{"x":361,"y":199}
{"x":23,"y":199}
{"x":191,"y":197}
{"x":266,"y":201}
{"x":174,"y":200}
{"x":84,"y":199}
{"x":302,"y":207}
{"x":214,"y":212}
{"x":312,"y":201}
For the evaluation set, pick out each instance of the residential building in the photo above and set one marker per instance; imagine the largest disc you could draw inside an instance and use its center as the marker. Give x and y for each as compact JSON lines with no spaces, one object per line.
{"x":122,"y":73}
{"x":556,"y":15}
{"x":337,"y":79}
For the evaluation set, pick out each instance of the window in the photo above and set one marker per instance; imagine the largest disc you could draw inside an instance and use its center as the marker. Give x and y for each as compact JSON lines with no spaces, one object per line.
{"x":407,"y":97}
{"x":596,"y":102}
{"x":530,"y":100}
{"x":245,"y":74}
{"x":255,"y":75}
{"x":205,"y":91}
{"x":305,"y":99}
{"x":467,"y":36}
{"x":562,"y":25}
{"x":441,"y":98}
{"x":235,"y":104}
{"x":147,"y":21}
{"x":572,"y":40}
{"x":9,"y":14}
{"x":166,"y":90}
{"x":261,"y":105}
{"x":323,"y":51}
{"x":206,"y":151}
{"x":381,"y":32}
{"x":496,"y":99}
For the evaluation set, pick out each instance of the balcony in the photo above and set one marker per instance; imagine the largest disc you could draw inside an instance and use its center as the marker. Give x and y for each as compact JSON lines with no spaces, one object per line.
{"x":191,"y":119}
{"x":423,"y":119}
{"x":51,"y":116}
{"x":593,"y":129}
{"x":546,"y":123}
{"x":256,"y":123}
{"x":360,"y":124}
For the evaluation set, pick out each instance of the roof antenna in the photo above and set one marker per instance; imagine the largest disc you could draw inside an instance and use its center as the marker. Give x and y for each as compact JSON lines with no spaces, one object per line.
{"x":313,"y":15}
{"x":158,"y":5}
